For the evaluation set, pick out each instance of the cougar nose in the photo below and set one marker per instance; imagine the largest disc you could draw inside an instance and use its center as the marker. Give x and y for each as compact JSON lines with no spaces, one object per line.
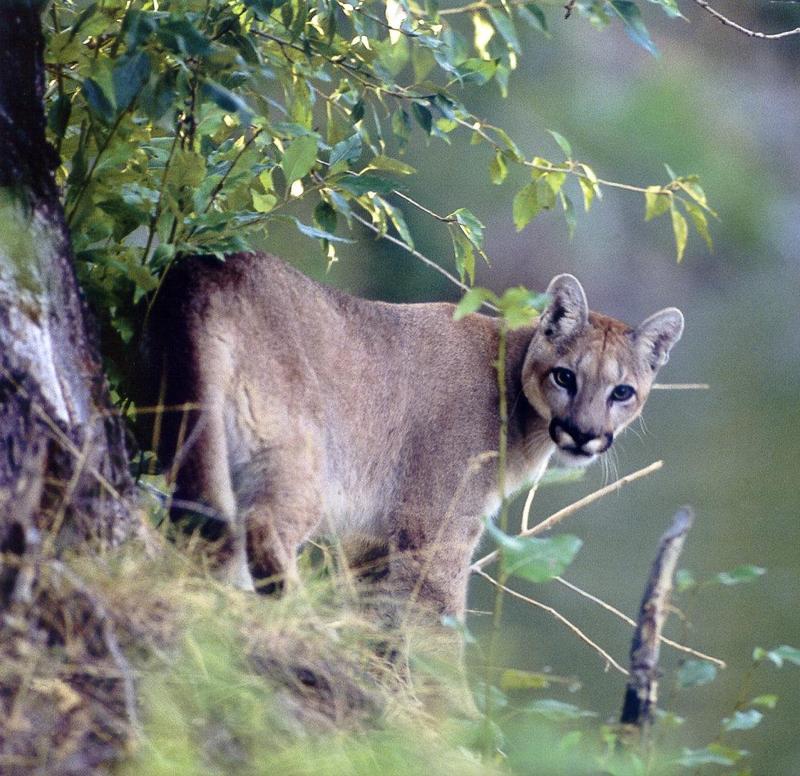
{"x":567,"y":435}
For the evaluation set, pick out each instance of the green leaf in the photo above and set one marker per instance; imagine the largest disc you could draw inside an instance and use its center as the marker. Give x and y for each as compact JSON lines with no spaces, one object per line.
{"x":558,"y":711}
{"x":401,"y":125}
{"x":476,"y":71}
{"x":534,"y":17}
{"x":137,"y":27}
{"x":739,"y":575}
{"x":555,"y":180}
{"x":470,"y":225}
{"x":656,"y":202}
{"x":382,"y":162}
{"x":520,"y":306}
{"x":563,"y":143}
{"x":498,"y":168}
{"x":684,"y":580}
{"x":130,"y":74}
{"x":537,"y":560}
{"x":464,"y":252}
{"x":181,"y":36}
{"x":515,"y":679}
{"x":263,"y":203}
{"x":97,"y":100}
{"x":225,"y":98}
{"x":632,"y":20}
{"x":299,"y":158}
{"x":361,"y":184}
{"x":768,"y":701}
{"x":694,"y":673}
{"x":715,"y":754}
{"x":423,"y":116}
{"x":325,"y":216}
{"x":681,"y":231}
{"x":670,"y":8}
{"x":348,"y":150}
{"x":321,"y":234}
{"x":700,"y":221}
{"x":505,"y":26}
{"x":778,"y":655}
{"x":526,"y":205}
{"x":742,"y":720}
{"x":472,"y":301}
{"x":569,"y":213}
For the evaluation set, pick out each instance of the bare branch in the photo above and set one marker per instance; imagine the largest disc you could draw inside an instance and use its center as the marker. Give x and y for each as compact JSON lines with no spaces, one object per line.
{"x":641,"y":693}
{"x":738,"y":27}
{"x":557,"y":517}
{"x":560,"y":617}
{"x":624,"y":617}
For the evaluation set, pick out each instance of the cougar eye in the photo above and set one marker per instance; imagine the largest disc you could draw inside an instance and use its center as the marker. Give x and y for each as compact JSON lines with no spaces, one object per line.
{"x":622,"y":393}
{"x":565,"y":378}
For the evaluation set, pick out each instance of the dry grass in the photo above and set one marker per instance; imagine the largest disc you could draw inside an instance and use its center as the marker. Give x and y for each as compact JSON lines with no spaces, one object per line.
{"x":141,"y":663}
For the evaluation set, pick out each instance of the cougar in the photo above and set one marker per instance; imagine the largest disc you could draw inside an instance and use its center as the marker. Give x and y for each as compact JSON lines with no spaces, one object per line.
{"x":312,"y":412}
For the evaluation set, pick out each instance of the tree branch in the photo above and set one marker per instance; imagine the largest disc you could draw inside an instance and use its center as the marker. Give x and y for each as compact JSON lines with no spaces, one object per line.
{"x":744,"y":30}
{"x":641,"y":693}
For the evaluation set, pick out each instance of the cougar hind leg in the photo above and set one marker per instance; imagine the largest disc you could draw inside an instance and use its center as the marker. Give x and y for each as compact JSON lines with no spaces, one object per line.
{"x":204,"y":498}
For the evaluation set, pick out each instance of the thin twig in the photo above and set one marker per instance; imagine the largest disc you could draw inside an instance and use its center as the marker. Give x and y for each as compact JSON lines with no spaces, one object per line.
{"x":624,"y":617}
{"x":417,"y":255}
{"x":680,"y":387}
{"x":557,"y":517}
{"x":526,"y":510}
{"x":419,"y":206}
{"x":750,"y":33}
{"x":560,"y":617}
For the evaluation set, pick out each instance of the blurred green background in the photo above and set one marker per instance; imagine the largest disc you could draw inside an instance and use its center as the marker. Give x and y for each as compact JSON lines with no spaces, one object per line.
{"x":728,"y":108}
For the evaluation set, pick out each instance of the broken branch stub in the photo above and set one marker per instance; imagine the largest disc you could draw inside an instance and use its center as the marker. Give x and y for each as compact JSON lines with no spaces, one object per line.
{"x":641,"y":693}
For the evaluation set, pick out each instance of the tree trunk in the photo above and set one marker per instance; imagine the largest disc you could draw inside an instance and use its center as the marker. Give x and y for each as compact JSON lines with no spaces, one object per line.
{"x":63,"y":462}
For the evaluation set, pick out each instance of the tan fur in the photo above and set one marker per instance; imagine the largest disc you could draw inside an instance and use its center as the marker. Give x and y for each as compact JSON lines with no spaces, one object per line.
{"x":324,"y":414}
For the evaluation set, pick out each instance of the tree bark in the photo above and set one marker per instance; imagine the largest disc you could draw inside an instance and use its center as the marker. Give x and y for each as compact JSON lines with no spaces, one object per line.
{"x":63,"y":462}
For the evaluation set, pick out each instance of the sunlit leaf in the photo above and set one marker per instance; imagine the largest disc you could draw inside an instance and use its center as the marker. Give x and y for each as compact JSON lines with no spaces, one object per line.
{"x":498,"y":168}
{"x":516,"y":679}
{"x":472,"y":301}
{"x":299,"y":157}
{"x":768,"y":701}
{"x":681,"y":231}
{"x":525,"y":206}
{"x":657,"y":202}
{"x":700,"y":222}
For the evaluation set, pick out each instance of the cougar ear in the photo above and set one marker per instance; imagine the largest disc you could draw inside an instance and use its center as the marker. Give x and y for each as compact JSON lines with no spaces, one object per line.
{"x":568,"y":311}
{"x":657,"y":334}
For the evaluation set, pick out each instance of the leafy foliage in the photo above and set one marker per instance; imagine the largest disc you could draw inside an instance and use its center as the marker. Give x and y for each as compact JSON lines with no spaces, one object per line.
{"x":191,"y":126}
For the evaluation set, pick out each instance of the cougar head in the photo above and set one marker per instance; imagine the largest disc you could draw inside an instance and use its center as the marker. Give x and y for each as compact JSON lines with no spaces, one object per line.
{"x":588,"y":375}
